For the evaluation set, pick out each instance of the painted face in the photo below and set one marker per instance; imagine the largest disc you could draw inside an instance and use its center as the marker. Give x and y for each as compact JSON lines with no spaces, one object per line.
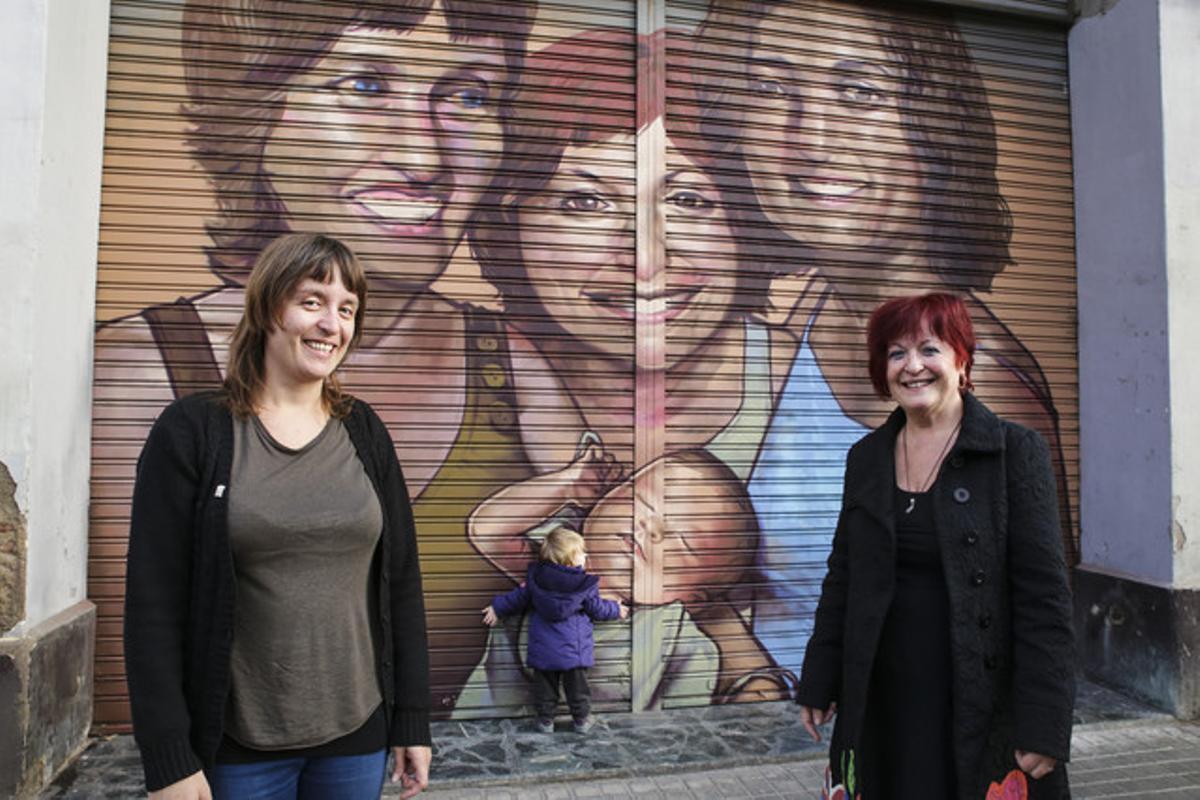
{"x":578,"y":245}
{"x":314,"y":330}
{"x":702,"y":265}
{"x":829,"y":159}
{"x":699,"y":548}
{"x":388,"y":143}
{"x":922,"y":374}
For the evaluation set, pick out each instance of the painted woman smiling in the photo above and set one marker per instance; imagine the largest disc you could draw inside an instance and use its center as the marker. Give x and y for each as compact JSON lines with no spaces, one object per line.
{"x":380,"y":124}
{"x":869,"y":153}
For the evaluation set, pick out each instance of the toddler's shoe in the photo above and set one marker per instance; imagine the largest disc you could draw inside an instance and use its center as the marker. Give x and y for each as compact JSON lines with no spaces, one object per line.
{"x":545,"y":726}
{"x":586,"y":724}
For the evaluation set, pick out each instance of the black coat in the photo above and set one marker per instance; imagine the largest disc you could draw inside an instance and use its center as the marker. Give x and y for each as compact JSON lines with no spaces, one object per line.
{"x":996,"y":515}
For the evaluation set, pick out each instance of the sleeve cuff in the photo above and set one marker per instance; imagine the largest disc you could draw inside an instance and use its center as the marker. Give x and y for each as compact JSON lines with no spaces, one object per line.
{"x":168,"y":761}
{"x":410,"y":726}
{"x":1044,"y":730}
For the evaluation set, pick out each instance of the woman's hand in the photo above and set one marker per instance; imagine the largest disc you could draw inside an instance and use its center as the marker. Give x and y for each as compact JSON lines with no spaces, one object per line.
{"x":193,"y":787}
{"x":813,"y":717}
{"x":1035,"y":765}
{"x":411,"y":768}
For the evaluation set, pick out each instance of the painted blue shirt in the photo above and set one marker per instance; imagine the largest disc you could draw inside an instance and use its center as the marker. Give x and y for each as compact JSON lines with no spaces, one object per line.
{"x":796,"y":487}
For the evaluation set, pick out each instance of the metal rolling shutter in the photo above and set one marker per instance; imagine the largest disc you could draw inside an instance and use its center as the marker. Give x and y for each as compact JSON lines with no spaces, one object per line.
{"x":923,"y":128}
{"x":647,"y":317}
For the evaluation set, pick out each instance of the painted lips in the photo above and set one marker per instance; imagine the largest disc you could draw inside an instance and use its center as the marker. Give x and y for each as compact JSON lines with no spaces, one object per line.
{"x":827,"y":190}
{"x":664,"y":306}
{"x":395,"y":207}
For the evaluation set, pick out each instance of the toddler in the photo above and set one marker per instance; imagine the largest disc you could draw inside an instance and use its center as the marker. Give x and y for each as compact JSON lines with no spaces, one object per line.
{"x":564,"y":601}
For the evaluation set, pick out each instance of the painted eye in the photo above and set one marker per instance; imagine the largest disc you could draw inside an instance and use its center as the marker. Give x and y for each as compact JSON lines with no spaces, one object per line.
{"x":347,"y":312}
{"x":472,"y":98}
{"x":310,"y":303}
{"x":769,"y":87}
{"x":584,"y":203}
{"x":361,"y":90}
{"x":691,"y":202}
{"x":463,"y":97}
{"x":862,"y":93}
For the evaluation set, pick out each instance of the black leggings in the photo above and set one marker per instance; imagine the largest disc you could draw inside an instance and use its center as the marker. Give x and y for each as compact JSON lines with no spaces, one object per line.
{"x":575,"y":686}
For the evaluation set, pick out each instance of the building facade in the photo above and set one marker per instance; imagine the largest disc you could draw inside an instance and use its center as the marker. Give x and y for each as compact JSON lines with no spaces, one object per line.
{"x":622,"y":255}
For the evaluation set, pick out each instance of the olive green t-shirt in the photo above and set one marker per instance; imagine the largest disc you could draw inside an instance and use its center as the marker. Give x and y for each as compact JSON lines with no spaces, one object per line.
{"x":303,"y":527}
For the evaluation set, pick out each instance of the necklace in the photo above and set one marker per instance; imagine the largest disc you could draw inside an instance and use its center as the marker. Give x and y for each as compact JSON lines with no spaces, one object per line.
{"x":925,"y":484}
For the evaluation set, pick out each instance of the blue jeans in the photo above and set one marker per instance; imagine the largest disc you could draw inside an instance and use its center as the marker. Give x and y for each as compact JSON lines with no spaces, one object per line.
{"x":333,"y":778}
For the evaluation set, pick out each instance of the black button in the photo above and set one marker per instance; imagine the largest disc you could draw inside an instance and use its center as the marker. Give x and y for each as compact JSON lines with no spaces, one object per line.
{"x":989,"y":661}
{"x":957,"y":461}
{"x":978,"y":578}
{"x":961,"y":494}
{"x":971,"y":538}
{"x":985,"y":621}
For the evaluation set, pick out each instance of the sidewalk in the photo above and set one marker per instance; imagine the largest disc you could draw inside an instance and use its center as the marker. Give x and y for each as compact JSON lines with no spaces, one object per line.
{"x":1121,"y":750}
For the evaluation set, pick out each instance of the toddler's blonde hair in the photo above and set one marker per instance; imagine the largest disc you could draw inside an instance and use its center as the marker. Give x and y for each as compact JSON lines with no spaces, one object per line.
{"x":562,"y":545}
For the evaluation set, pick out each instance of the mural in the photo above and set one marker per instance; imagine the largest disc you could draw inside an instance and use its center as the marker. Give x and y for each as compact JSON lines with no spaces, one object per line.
{"x":616,"y":280}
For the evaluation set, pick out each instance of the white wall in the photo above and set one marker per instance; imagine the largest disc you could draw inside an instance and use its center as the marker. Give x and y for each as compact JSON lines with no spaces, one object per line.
{"x":53,"y":58}
{"x":1180,"y":58}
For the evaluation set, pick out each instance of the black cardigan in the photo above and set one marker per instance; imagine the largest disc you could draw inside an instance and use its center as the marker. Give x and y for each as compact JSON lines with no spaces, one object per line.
{"x":179,"y":588}
{"x":1012,"y":642}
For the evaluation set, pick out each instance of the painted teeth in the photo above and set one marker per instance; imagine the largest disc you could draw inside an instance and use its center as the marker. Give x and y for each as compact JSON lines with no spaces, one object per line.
{"x":407,"y":212}
{"x":324,"y":347}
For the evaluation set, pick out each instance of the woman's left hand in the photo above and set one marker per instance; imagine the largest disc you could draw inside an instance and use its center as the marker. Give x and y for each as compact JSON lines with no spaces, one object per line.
{"x":411,"y":768}
{"x":1035,"y":765}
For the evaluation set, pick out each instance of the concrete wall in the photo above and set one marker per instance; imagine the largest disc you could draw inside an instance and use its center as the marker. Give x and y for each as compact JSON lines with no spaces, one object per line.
{"x":53,"y":57}
{"x":52,"y":82}
{"x":1124,"y":358}
{"x":1180,"y":58}
{"x":1134,"y":70}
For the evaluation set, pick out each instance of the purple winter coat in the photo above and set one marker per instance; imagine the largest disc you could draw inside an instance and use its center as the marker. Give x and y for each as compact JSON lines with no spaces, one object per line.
{"x":565,"y":601}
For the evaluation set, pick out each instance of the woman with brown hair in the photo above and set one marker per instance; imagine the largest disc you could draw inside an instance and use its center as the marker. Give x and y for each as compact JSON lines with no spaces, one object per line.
{"x":380,"y":123}
{"x":275,"y":638}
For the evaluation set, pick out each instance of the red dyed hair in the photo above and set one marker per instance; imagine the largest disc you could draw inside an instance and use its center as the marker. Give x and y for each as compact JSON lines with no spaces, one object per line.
{"x":946,"y":317}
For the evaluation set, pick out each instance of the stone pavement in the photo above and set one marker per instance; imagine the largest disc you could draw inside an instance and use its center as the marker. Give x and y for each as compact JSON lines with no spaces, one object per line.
{"x":1121,"y":750}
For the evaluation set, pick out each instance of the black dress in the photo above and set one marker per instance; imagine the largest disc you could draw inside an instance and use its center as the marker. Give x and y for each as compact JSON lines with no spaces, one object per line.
{"x":906,"y":749}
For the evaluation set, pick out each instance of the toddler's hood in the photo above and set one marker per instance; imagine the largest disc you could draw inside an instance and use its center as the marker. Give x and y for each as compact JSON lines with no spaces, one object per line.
{"x":556,"y":591}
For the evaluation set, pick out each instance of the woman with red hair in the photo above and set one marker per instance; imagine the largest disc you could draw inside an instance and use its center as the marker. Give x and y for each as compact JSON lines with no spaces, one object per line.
{"x":943,"y":635}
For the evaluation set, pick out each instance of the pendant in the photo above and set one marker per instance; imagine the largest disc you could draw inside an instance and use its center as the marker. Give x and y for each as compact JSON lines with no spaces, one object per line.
{"x":912,"y":503}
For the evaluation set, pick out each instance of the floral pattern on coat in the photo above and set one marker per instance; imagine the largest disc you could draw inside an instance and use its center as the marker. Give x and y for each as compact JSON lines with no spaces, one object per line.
{"x":843,"y":791}
{"x":1015,"y":787}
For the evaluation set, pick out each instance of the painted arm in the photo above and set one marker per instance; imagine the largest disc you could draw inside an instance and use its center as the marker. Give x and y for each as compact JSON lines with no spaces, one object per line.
{"x":1021,"y":393}
{"x":746,"y":672}
{"x":820,"y":679}
{"x":499,"y":527}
